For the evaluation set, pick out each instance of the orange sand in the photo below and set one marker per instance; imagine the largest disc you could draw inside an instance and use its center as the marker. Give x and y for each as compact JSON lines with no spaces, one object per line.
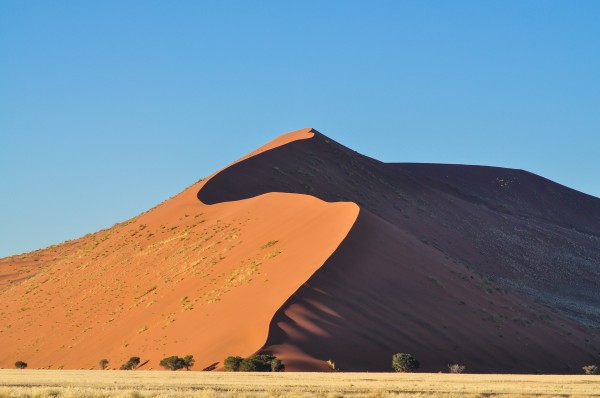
{"x":183,"y":278}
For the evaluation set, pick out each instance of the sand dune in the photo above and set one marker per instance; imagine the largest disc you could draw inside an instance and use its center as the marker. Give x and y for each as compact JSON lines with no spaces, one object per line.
{"x":183,"y":278}
{"x":507,"y":264}
{"x":309,"y":250}
{"x":384,"y":291}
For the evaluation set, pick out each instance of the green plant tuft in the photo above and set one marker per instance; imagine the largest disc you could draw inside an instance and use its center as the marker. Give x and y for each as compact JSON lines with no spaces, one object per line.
{"x":404,"y":363}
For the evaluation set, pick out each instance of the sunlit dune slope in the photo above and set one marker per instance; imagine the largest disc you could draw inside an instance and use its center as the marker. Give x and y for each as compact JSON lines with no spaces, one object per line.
{"x":183,"y":278}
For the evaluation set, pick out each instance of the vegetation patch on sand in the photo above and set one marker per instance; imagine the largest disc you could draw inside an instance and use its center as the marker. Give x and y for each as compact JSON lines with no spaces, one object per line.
{"x":141,"y":384}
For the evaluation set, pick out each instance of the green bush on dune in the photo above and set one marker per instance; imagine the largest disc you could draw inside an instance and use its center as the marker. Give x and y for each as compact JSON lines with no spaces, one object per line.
{"x":131,"y":364}
{"x":404,"y":363}
{"x":456,"y":368}
{"x":189,"y":361}
{"x":255,"y":363}
{"x":174,"y":362}
{"x":232,"y":364}
{"x":103,"y":364}
{"x":20,"y":365}
{"x":277,"y":365}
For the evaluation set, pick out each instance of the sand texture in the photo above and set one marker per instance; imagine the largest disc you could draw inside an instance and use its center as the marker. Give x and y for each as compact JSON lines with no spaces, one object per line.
{"x":313,"y":252}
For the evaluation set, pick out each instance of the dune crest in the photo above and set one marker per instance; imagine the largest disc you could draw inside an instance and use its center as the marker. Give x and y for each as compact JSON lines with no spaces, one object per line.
{"x":182,"y":278}
{"x":492,"y":246}
{"x":309,"y":250}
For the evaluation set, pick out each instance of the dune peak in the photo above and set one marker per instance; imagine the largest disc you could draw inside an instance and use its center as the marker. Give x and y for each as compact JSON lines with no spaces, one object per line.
{"x":311,"y":251}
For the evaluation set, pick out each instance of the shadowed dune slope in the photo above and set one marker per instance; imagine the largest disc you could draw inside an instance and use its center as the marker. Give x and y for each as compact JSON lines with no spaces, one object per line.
{"x":506,"y":276}
{"x":383,"y":291}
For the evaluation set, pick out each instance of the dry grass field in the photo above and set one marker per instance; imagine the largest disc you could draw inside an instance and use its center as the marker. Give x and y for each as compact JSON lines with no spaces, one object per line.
{"x":141,"y":384}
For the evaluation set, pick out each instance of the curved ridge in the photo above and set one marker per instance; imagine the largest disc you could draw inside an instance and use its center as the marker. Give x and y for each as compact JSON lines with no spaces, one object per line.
{"x":416,"y":208}
{"x":222,"y":270}
{"x":377,"y":256}
{"x":290,"y":168}
{"x":384,"y":291}
{"x":284,"y":139}
{"x":426,"y":201}
{"x":236,"y":171}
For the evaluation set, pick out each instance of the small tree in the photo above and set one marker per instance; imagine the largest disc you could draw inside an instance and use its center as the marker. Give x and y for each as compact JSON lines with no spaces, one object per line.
{"x":277,"y":365}
{"x":456,"y":368}
{"x":591,"y":370}
{"x":20,"y":365}
{"x":131,"y":364}
{"x":135,"y":361}
{"x":257,"y":363}
{"x":175,"y":363}
{"x":103,"y":364}
{"x":404,"y":363}
{"x":261,"y":363}
{"x":172,"y":363}
{"x":232,"y":364}
{"x":188,"y":361}
{"x":249,"y":365}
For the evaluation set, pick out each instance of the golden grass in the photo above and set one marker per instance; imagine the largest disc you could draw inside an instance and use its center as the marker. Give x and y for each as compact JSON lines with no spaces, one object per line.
{"x":142,"y":384}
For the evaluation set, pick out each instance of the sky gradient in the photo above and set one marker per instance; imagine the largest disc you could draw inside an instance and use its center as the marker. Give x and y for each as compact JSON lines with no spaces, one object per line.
{"x":110,"y":107}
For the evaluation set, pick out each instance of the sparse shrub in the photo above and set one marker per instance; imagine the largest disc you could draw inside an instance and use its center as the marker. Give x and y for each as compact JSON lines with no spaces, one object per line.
{"x":277,"y":365}
{"x":269,"y":244}
{"x":332,"y":365}
{"x":188,"y":361}
{"x":232,"y":364}
{"x":131,"y":364}
{"x":103,"y":364}
{"x":456,"y":368}
{"x":175,"y":363}
{"x":135,"y":361}
{"x":251,"y":365}
{"x":261,"y":363}
{"x":172,"y":363}
{"x":591,"y":370}
{"x":404,"y":363}
{"x":20,"y":365}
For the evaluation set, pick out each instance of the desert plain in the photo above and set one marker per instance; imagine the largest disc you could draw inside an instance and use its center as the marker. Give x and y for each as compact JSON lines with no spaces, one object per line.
{"x":138,"y":384}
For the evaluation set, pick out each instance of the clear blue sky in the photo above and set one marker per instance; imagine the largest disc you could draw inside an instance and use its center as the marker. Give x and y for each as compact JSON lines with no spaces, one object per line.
{"x":109,"y":107}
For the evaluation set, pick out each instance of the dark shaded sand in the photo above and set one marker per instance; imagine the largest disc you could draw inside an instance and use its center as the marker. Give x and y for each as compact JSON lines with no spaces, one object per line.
{"x":492,"y":273}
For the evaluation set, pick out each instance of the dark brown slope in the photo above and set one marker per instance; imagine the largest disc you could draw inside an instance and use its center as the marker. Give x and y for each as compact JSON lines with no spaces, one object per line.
{"x":516,"y":192}
{"x":544,"y":238}
{"x":442,"y":267}
{"x":383,"y":291}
